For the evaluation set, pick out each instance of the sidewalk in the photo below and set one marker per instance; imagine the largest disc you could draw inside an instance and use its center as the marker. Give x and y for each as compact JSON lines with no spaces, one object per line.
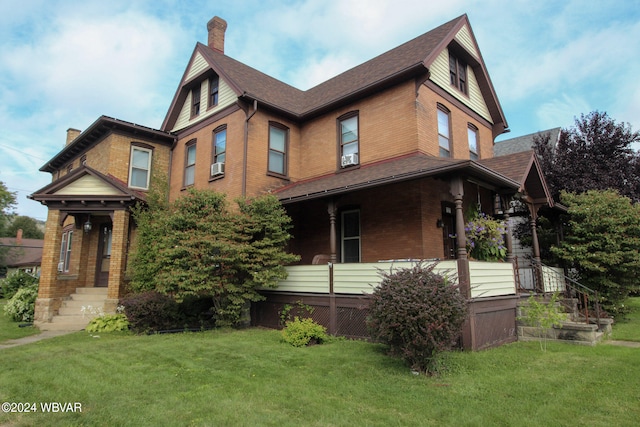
{"x":32,"y":338}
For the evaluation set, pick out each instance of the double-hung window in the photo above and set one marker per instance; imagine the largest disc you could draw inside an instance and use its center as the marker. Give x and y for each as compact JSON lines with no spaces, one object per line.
{"x":139,"y":167}
{"x":350,"y":236}
{"x":65,"y":251}
{"x":444,"y":139}
{"x":220,"y":145}
{"x":190,"y":163}
{"x":195,"y":101}
{"x":213,"y":91}
{"x":349,"y":145}
{"x":278,"y":142}
{"x":458,"y":73}
{"x":472,"y":133}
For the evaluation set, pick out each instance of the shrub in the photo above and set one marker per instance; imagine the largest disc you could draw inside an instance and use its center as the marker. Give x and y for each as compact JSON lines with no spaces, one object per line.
{"x":418,"y":314}
{"x":17,"y":280}
{"x":108,"y":323}
{"x":151,"y":312}
{"x":21,"y":306}
{"x":302,"y":332}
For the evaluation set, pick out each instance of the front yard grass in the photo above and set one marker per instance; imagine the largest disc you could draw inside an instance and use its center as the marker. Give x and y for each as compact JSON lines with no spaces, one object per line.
{"x":250,"y":378}
{"x":10,"y":330}
{"x":628,"y":329}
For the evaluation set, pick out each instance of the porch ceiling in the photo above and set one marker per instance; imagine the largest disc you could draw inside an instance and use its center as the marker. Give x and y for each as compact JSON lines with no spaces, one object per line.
{"x":391,"y":171}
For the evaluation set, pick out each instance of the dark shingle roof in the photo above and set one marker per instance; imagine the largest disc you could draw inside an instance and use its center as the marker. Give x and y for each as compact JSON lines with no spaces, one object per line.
{"x":523,"y":143}
{"x":385,"y":172}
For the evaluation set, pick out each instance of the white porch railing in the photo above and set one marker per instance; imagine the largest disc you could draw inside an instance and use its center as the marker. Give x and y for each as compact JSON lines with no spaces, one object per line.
{"x":488,"y":279}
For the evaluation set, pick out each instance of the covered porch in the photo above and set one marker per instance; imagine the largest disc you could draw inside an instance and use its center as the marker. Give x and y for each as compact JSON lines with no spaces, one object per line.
{"x":89,"y":229}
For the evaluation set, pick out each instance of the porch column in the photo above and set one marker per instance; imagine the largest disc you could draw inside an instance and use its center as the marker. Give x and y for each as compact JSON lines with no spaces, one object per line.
{"x":48,"y":301}
{"x":331,"y":209}
{"x":508,"y":237}
{"x":118,"y":261}
{"x":537,"y":270}
{"x":464,"y":278}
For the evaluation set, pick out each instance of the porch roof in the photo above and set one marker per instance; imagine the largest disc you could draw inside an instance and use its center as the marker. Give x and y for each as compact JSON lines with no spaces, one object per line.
{"x":524,"y":168}
{"x":85,"y":189}
{"x":400,"y":169}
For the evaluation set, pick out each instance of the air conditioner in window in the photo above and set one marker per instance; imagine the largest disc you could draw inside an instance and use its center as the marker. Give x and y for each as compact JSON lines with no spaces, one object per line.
{"x":217,"y":169}
{"x":61,"y":266}
{"x":349,"y":160}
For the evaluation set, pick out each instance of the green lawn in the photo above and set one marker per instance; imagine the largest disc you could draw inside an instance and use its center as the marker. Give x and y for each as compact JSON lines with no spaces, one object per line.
{"x":251,"y":378}
{"x":629,"y":329}
{"x":9,"y":329}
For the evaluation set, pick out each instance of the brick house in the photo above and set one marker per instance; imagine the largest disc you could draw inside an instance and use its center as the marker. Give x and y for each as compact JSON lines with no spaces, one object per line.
{"x":377,"y":163}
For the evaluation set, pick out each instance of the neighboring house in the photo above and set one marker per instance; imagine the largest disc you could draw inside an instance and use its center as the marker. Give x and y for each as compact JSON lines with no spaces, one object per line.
{"x":22,"y":254}
{"x":378,"y":163}
{"x":525,"y":142}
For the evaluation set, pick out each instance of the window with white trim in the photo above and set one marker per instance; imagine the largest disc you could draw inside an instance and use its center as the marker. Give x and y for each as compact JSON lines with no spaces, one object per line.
{"x":349,"y":142}
{"x":140,"y":167}
{"x":472,"y":134}
{"x":190,"y":163}
{"x":350,"y":236}
{"x":65,"y":251}
{"x":444,"y":140}
{"x":220,"y":145}
{"x":278,"y":142}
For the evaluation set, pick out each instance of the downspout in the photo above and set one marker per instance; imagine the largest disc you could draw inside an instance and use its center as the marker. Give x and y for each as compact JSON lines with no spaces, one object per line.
{"x":246,"y":147}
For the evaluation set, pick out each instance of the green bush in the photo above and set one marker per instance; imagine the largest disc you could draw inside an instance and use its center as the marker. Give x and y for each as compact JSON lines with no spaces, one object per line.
{"x":17,"y":280}
{"x":21,"y":306}
{"x":108,"y":323}
{"x":418,"y":314}
{"x":303,"y":332}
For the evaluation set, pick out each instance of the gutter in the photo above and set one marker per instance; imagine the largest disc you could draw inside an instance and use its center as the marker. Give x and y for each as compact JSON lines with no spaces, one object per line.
{"x":246,"y":147}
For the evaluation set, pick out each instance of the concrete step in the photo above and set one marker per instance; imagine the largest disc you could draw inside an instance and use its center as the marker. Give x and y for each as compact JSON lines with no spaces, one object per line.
{"x":78,"y":304}
{"x":87,"y":297}
{"x":93,"y":291}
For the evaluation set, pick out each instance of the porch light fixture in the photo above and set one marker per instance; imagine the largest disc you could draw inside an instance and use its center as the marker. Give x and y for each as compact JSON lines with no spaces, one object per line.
{"x":87,"y":225}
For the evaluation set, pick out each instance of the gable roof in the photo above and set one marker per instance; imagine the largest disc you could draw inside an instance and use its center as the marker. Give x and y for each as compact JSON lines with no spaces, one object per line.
{"x":524,"y":142}
{"x":103,"y":126}
{"x":23,"y":252}
{"x":524,"y":168}
{"x":408,"y":60}
{"x":86,"y":189}
{"x":390,"y":171}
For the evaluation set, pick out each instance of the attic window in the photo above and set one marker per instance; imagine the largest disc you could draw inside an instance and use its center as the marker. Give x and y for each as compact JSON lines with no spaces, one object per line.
{"x":213,"y":92}
{"x":458,"y":73}
{"x":195,"y":101}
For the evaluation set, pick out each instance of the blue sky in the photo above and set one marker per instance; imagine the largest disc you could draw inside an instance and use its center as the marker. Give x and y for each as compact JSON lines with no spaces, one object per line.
{"x":65,"y":63}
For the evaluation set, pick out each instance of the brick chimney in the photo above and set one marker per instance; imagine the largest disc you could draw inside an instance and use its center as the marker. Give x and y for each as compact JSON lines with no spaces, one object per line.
{"x":216,"y":28}
{"x":19,"y":237}
{"x":71,"y":135}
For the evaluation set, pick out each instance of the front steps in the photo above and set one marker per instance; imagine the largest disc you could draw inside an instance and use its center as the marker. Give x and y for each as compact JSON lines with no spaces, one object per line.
{"x":575,"y":330}
{"x":77,"y":310}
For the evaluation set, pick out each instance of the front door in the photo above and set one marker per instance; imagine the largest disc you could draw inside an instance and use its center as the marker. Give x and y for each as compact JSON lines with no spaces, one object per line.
{"x":104,"y":255}
{"x":449,"y":230}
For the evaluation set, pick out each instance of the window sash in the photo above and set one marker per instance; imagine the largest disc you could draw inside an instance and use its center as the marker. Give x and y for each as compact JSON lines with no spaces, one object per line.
{"x":443,"y":134}
{"x":349,"y":136}
{"x":220,"y":146}
{"x":473,"y":143}
{"x":213,"y":91}
{"x":140,"y":167}
{"x":350,"y":236}
{"x":195,"y":102}
{"x":65,"y":250}
{"x":190,"y":165}
{"x":277,"y":150}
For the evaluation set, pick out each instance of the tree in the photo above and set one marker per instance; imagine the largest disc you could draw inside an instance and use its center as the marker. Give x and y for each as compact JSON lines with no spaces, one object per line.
{"x":603,"y":244}
{"x":595,"y":154}
{"x":198,"y":246}
{"x":7,"y":202}
{"x":28,"y":225}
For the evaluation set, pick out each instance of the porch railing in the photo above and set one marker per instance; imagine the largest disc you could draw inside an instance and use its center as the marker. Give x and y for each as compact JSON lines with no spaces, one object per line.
{"x":487,"y":279}
{"x":553,"y":279}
